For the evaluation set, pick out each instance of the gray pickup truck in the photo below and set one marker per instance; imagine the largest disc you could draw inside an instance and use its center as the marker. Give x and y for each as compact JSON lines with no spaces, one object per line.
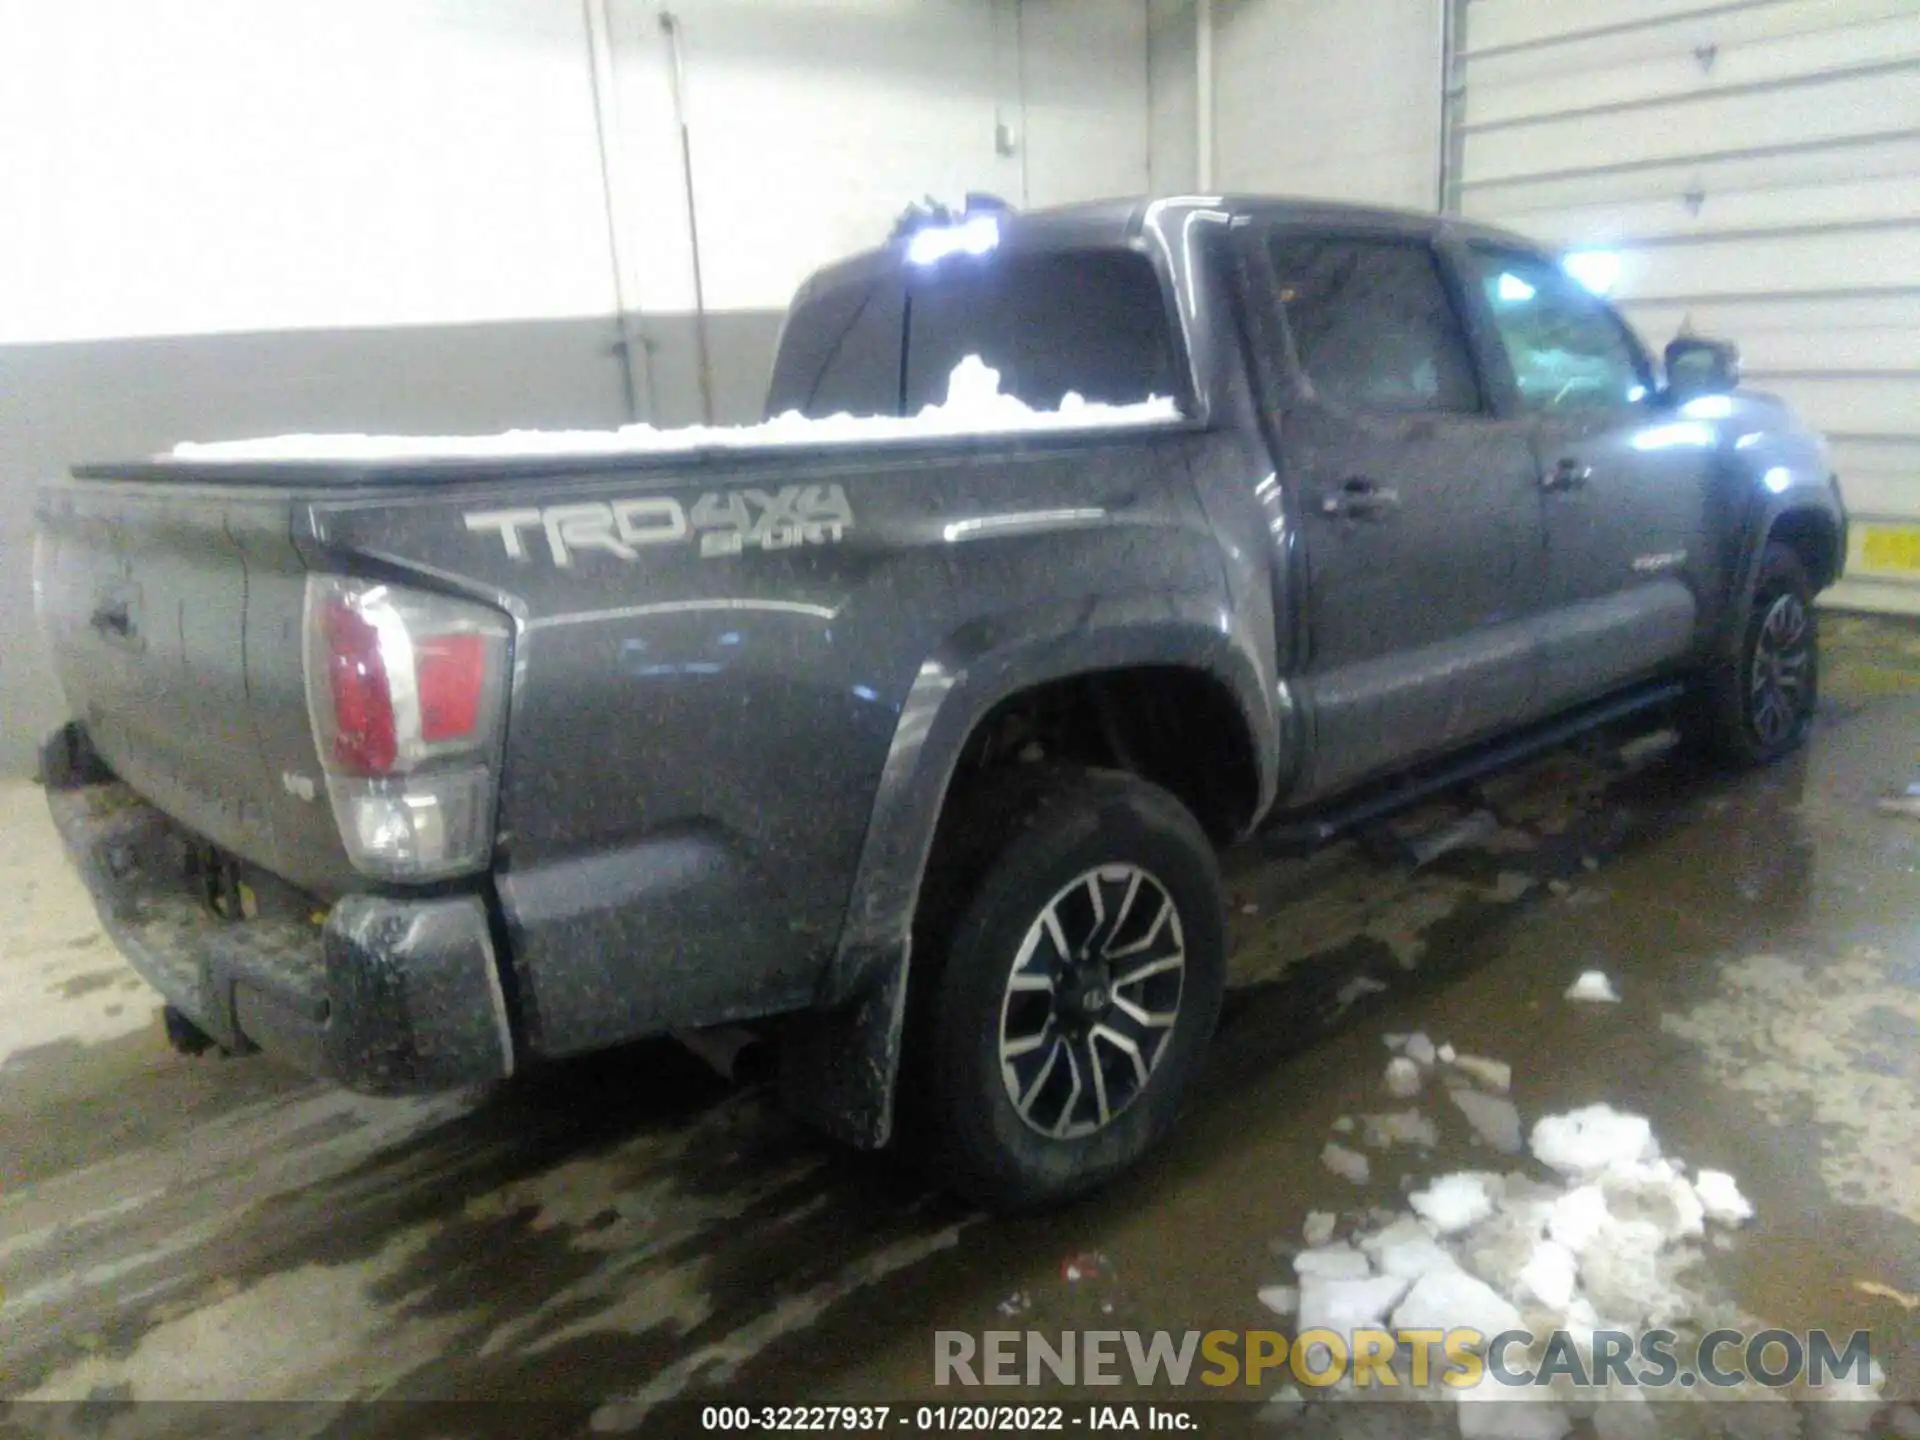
{"x":425,"y":762}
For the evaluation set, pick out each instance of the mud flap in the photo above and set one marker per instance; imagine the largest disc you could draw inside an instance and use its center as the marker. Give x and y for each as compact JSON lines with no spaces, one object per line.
{"x":838,"y":1068}
{"x":68,"y":760}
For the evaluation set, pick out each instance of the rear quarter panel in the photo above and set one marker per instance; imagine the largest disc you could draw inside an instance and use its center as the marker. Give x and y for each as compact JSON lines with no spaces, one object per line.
{"x":697,"y":741}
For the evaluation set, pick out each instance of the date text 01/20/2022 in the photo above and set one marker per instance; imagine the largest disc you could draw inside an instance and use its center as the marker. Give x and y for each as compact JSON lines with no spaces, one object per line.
{"x":951,"y":1419}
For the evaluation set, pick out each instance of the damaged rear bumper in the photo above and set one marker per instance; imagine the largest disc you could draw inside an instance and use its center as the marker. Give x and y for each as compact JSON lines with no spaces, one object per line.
{"x":386,"y":996}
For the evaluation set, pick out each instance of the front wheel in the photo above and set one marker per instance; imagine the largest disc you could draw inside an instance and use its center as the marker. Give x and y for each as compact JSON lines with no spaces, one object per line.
{"x":1073,"y":998}
{"x":1759,"y":705}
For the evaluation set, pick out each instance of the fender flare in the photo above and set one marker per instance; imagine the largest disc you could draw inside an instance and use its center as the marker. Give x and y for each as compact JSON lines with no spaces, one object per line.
{"x":1766,"y":517}
{"x":839,"y":1063}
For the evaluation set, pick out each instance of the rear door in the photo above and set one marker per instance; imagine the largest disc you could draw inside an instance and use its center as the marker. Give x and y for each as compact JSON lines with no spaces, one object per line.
{"x":1421,"y":530}
{"x":1622,"y":477}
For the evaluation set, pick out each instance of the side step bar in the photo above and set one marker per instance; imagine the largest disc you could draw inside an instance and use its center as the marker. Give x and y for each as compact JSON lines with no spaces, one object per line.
{"x":1320,"y":827}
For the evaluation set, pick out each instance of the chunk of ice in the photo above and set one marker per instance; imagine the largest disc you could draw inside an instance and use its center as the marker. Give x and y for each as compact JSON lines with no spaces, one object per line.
{"x":1407,"y":1248}
{"x":1550,"y":1275}
{"x":1720,"y":1197}
{"x":1403,"y":1078}
{"x":1281,"y":1299}
{"x":1499,"y":1247}
{"x":1344,"y":1306}
{"x":1401,"y":1127}
{"x":1493,"y":1118}
{"x":1332,"y":1262}
{"x":1347,"y":1164}
{"x":1658,"y":1194}
{"x":1594,"y":986}
{"x":1496,"y":1075}
{"x":1447,"y":1054}
{"x":1358,"y":988}
{"x":1620,"y":1271}
{"x":1585,"y":1142}
{"x":1454,"y":1300}
{"x":1420,"y":1049}
{"x":1577,"y":1217}
{"x":1318,"y":1228}
{"x":1454,"y":1202}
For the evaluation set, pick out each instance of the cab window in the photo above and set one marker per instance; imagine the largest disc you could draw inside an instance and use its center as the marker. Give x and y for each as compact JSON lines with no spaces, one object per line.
{"x":1092,"y":323}
{"x":1371,"y":324}
{"x":1567,"y":349}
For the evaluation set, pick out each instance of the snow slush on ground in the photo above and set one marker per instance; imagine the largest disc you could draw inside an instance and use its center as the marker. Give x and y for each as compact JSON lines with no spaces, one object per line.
{"x":975,"y":405}
{"x":1600,"y":1233}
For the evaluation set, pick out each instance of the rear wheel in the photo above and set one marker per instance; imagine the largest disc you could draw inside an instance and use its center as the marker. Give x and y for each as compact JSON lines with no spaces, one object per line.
{"x":1759,"y":705}
{"x":1069,"y":1003}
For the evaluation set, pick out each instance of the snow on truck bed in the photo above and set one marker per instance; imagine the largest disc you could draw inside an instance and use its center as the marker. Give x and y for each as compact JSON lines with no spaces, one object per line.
{"x":974,"y":406}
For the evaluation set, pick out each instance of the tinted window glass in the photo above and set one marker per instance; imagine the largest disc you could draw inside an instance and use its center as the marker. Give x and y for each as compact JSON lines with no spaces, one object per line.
{"x":1372,"y":325}
{"x":1094,"y":323}
{"x":840,"y":351}
{"x":1567,"y":349}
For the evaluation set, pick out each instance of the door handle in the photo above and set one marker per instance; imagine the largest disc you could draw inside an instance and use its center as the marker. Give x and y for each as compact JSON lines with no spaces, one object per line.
{"x":112,"y":617}
{"x":1359,"y":499}
{"x":1567,"y":474}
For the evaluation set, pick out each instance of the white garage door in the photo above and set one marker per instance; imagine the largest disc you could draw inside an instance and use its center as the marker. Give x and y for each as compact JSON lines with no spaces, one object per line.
{"x":1756,"y":165}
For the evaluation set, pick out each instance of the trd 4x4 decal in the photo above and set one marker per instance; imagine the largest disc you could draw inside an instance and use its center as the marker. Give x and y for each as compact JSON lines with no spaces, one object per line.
{"x":727,"y":522}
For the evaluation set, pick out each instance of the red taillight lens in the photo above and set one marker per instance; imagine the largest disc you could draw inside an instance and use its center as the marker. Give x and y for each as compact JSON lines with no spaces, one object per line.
{"x":451,"y":671}
{"x":407,"y":695}
{"x":365,"y":741}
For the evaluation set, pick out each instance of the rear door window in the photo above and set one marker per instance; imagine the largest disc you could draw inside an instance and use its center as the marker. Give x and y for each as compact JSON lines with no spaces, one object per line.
{"x":1372,"y":325}
{"x":1091,"y":323}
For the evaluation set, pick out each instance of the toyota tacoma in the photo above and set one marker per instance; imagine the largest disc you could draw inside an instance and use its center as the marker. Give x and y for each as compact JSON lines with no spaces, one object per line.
{"x":906,"y":726}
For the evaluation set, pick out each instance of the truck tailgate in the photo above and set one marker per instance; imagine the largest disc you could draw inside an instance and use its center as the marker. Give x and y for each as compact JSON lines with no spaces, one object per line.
{"x":173,"y":616}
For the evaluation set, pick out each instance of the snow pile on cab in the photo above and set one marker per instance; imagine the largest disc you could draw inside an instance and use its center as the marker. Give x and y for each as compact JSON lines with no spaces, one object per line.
{"x":974,"y":406}
{"x":1599,"y":1235}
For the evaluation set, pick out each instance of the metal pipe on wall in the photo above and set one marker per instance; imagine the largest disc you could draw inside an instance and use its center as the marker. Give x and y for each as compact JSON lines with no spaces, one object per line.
{"x":671,"y":25}
{"x":1203,"y":92}
{"x":1453,"y":25}
{"x":606,"y":127}
{"x":1146,"y":57}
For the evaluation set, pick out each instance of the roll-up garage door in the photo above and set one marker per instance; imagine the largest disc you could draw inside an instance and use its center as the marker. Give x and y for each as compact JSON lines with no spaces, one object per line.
{"x":1756,"y":166}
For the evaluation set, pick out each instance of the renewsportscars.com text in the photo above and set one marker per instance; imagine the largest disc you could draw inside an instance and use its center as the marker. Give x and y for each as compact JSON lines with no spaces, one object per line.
{"x":1459,"y":1359}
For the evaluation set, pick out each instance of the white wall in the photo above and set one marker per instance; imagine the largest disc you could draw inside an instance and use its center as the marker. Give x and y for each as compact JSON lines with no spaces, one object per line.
{"x":1332,"y":98}
{"x":813,"y":123}
{"x":196,"y":166}
{"x":1173,"y":154}
{"x":187,"y":166}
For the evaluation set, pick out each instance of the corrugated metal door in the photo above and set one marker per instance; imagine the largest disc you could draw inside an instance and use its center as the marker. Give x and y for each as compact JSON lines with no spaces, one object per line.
{"x":1756,"y":165}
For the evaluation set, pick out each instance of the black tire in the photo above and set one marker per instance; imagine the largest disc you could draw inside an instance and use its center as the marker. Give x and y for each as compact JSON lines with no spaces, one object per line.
{"x":1759,"y":705}
{"x":1020,"y":852}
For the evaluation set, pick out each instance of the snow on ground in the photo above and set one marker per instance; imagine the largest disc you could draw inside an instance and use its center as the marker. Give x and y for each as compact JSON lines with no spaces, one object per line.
{"x":974,"y":405}
{"x":1595,"y":988}
{"x":1600,"y":1233}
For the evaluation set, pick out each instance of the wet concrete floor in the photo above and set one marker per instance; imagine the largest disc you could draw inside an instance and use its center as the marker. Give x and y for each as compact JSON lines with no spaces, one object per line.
{"x":628,"y":1230}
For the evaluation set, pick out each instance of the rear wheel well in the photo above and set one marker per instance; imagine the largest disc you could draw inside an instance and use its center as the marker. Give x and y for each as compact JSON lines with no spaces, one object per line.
{"x":1814,"y":538}
{"x":1177,"y":727}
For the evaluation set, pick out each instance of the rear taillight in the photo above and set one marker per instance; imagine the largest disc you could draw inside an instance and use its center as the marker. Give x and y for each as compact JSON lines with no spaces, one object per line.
{"x":407,"y":695}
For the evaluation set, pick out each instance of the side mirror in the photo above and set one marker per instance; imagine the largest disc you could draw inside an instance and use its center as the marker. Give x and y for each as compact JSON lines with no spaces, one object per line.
{"x":1701,"y":367}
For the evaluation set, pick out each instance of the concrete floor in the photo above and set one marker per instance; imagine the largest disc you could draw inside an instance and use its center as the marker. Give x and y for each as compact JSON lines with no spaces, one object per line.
{"x":630,"y":1229}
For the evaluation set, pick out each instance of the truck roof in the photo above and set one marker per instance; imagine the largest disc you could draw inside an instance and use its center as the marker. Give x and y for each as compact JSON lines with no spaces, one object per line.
{"x":1099,"y":224}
